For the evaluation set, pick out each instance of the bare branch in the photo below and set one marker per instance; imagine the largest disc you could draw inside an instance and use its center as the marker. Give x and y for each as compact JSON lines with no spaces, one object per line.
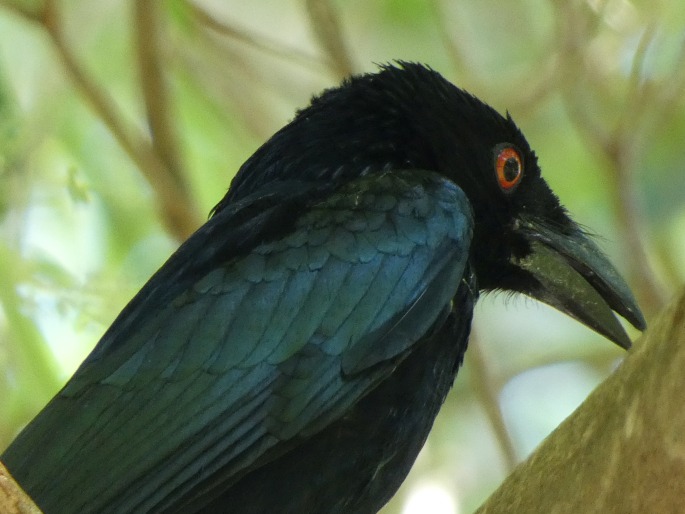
{"x":622,"y":449}
{"x":180,"y":217}
{"x":259,"y":42}
{"x":155,"y":90}
{"x":20,"y":10}
{"x":327,"y":28}
{"x":637,"y":91}
{"x":484,"y":387}
{"x":13,"y":499}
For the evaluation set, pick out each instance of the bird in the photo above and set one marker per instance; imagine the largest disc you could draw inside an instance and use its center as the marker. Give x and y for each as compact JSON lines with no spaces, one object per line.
{"x":292,"y":354}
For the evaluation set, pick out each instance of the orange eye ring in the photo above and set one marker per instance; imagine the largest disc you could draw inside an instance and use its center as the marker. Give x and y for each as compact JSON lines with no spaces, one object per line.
{"x":508,"y":167}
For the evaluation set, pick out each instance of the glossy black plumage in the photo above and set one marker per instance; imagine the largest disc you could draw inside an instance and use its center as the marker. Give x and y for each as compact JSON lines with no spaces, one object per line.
{"x":292,"y":354}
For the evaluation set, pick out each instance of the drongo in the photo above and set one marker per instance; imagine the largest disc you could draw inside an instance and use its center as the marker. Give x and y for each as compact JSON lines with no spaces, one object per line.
{"x":292,"y":354}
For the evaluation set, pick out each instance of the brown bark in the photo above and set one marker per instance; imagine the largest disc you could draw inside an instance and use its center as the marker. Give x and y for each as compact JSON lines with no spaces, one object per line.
{"x":623,"y":450}
{"x":13,"y":499}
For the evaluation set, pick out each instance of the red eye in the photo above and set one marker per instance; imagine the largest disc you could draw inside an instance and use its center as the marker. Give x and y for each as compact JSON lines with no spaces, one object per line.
{"x":509,"y":167}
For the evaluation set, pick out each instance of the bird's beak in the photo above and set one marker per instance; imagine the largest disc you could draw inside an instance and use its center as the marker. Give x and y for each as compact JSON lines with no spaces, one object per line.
{"x":572,"y":275}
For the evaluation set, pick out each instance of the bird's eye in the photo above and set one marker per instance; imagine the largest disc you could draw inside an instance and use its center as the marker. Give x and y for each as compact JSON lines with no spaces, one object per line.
{"x":508,"y":167}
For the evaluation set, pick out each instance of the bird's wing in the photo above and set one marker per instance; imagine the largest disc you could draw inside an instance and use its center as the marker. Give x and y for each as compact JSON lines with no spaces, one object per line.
{"x":249,"y":338}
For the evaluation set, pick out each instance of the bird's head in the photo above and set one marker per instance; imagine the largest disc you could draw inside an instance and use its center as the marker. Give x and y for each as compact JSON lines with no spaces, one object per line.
{"x":524,"y":239}
{"x":410,"y":117}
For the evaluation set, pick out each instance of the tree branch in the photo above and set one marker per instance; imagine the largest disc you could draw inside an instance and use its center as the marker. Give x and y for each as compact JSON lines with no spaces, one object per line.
{"x":178,"y":213}
{"x":13,"y":499}
{"x":262,"y":43}
{"x":21,"y":10}
{"x":155,"y":90}
{"x":623,"y":449}
{"x":488,"y":394}
{"x":326,"y":24}
{"x":180,"y":217}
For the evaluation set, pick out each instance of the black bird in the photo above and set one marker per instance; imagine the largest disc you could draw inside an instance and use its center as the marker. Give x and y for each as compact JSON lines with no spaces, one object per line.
{"x":292,"y":355}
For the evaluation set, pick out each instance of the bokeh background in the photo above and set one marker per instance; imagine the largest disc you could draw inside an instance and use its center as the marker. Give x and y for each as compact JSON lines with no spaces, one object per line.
{"x":122,"y":124}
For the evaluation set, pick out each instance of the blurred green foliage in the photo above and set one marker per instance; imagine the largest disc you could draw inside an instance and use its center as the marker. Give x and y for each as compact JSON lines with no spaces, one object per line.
{"x":598,"y":86}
